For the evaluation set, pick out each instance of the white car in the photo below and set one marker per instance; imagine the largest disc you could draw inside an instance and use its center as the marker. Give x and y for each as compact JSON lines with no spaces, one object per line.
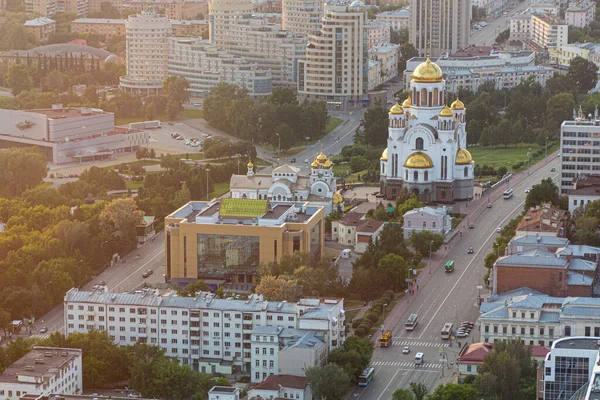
{"x":527,"y":190}
{"x":405,"y":350}
{"x":499,"y":229}
{"x":306,"y":160}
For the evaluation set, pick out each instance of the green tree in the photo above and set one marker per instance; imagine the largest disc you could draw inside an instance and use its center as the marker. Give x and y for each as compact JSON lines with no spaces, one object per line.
{"x":559,"y":108}
{"x":358,"y":163}
{"x":151,"y":111}
{"x":287,"y":136}
{"x":498,"y":375}
{"x":20,"y":169}
{"x":118,"y":220}
{"x":559,"y":84}
{"x":176,"y":88}
{"x":405,"y":204}
{"x":408,"y":51}
{"x":278,"y":288}
{"x":587,"y":224}
{"x":173,"y":109}
{"x":453,"y":391}
{"x":329,"y":382}
{"x":403,"y":394}
{"x":354,"y":356}
{"x":281,"y":95}
{"x":54,"y":81}
{"x":192,"y":289}
{"x":18,"y":78}
{"x":583,"y":74}
{"x":544,"y":192}
{"x":376,"y":126}
{"x":421,"y":242}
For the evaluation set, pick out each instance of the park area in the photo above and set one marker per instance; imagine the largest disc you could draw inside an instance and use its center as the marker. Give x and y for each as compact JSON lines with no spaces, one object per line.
{"x":510,"y":157}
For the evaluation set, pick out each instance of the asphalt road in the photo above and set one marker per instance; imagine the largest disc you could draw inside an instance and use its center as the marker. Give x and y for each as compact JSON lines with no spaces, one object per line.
{"x":447,"y":297}
{"x":487,"y":36}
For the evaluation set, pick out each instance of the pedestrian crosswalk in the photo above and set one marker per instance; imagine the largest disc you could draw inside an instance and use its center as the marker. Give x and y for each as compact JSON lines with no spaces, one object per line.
{"x":406,"y":364}
{"x":410,"y":343}
{"x":40,"y":336}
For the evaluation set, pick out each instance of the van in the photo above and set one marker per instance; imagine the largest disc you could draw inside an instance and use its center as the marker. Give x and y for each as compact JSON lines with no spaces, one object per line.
{"x":346,"y":253}
{"x":419,"y":359}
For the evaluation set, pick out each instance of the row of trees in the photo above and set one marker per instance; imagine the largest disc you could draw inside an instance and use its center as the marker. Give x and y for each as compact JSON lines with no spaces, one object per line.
{"x":279,"y":119}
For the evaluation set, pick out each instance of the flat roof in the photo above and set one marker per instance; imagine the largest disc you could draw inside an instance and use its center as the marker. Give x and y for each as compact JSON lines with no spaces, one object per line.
{"x":41,"y":362}
{"x":60,"y":113}
{"x":583,"y":343}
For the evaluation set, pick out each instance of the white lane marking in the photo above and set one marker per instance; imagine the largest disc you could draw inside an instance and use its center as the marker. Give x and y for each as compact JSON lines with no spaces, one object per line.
{"x":138,"y":270}
{"x":388,"y":385}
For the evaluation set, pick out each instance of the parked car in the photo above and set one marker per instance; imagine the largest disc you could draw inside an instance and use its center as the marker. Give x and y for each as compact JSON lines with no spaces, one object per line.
{"x":553,"y":170}
{"x":470,"y":251}
{"x":527,"y":190}
{"x":145,"y":275}
{"x":499,"y":229}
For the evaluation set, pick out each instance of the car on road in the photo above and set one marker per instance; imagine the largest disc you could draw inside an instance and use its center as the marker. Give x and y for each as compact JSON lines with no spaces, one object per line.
{"x":405,"y":350}
{"x":461,"y":334}
{"x":293,"y":160}
{"x":307,"y":160}
{"x":471,"y":225}
{"x":44,"y":330}
{"x":468,"y":324}
{"x":499,"y":229}
{"x":489,"y":205}
{"x":148,"y":273}
{"x":527,"y":190}
{"x":170,"y":123}
{"x":553,"y":170}
{"x":470,"y":251}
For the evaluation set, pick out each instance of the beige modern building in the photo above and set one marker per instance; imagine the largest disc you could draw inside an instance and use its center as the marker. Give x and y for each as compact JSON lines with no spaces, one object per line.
{"x":40,"y":28}
{"x":147,"y":52}
{"x":194,"y":27}
{"x":43,"y":8}
{"x":389,"y":55}
{"x":228,"y":239}
{"x":335,"y":67}
{"x":173,"y":9}
{"x":444,"y":25}
{"x":548,"y":32}
{"x":224,"y":16}
{"x":580,"y":14}
{"x":302,"y":17}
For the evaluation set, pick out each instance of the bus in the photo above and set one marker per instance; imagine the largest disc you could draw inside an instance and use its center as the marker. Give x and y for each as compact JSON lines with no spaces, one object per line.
{"x":385,"y":339}
{"x":366,"y":377}
{"x":412,"y":322}
{"x":447,"y":330}
{"x":508,"y":193}
{"x":449,"y":267}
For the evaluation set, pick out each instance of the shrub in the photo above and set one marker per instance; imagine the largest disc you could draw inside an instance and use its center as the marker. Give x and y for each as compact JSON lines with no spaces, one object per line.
{"x":366,"y":324}
{"x":373,"y":317}
{"x":359,"y":331}
{"x":356,"y":322}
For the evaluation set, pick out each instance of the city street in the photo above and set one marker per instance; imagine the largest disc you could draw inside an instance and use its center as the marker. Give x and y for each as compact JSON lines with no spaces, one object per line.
{"x":447,"y":297}
{"x":486,"y":36}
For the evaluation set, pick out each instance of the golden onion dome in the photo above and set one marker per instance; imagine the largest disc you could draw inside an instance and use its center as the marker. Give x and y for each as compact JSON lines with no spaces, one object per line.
{"x":328,"y":164}
{"x":418,"y":160}
{"x":446,"y":112}
{"x":427,"y":72}
{"x":337,"y":198}
{"x":384,"y":155}
{"x":250,"y":165}
{"x":457,"y":105}
{"x":463,"y":157}
{"x":396,"y":109}
{"x":321,"y":158}
{"x":314,"y":164}
{"x":407,"y":103}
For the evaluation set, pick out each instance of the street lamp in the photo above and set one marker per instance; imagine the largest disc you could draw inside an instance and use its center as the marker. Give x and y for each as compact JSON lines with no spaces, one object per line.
{"x":546,"y":148}
{"x":430,"y":243}
{"x":279,"y":147}
{"x":207,"y":171}
{"x":528,"y":160}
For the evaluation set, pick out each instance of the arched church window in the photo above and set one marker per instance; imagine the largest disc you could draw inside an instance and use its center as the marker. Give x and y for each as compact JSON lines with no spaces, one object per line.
{"x":426,"y":176}
{"x":435,"y":97}
{"x":295,"y":198}
{"x":416,"y":176}
{"x":406,"y":174}
{"x":244,"y":196}
{"x":423,"y":97}
{"x":466,"y":172}
{"x":419,"y":144}
{"x":567,"y":330}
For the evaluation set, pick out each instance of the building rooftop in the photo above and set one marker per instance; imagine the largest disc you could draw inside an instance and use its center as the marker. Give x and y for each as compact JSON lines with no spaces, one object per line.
{"x":579,"y":250}
{"x":385,"y":48}
{"x":474,"y":353}
{"x":276,"y":382}
{"x":351,"y":219}
{"x":582,"y":343}
{"x":58,"y":112}
{"x":533,"y":258}
{"x":575,"y":279}
{"x":578,"y":264}
{"x":474,"y":51}
{"x":586,"y":191}
{"x":544,"y":219}
{"x":41,"y":21}
{"x":99,"y":21}
{"x":550,"y":241}
{"x":243,"y":208}
{"x":223,"y":390}
{"x":403,"y":13}
{"x":307,"y":341}
{"x":39,"y":365}
{"x":63,"y":49}
{"x":369,"y":226}
{"x":427,"y":210}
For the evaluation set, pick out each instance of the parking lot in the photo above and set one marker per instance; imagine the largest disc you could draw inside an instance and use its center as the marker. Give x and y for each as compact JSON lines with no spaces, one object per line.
{"x":161,"y":139}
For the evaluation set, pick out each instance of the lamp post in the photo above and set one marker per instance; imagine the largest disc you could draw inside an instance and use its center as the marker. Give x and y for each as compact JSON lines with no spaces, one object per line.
{"x":528,"y":160}
{"x":546,"y":149}
{"x":279,"y":147}
{"x":430,"y":243}
{"x":207,"y":171}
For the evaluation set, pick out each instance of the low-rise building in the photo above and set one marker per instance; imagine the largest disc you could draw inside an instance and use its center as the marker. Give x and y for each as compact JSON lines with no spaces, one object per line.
{"x":586,"y":189}
{"x":224,"y":393}
{"x":398,"y":19}
{"x":378,"y":32}
{"x":519,"y":244}
{"x":211,"y":335}
{"x":375,"y":80}
{"x":43,"y":8}
{"x":543,"y":221}
{"x":436,"y":220}
{"x":581,"y":13}
{"x":43,"y":371}
{"x":145,"y":230}
{"x":281,"y":387}
{"x":354,"y":230}
{"x":539,"y":31}
{"x":40,"y":28}
{"x":389,"y":55}
{"x":562,"y":56}
{"x":301,"y":353}
{"x":106,"y":27}
{"x":470,"y":358}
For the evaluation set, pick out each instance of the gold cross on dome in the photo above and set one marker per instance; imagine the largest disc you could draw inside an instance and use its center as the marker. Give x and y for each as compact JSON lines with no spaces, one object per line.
{"x":428,"y":49}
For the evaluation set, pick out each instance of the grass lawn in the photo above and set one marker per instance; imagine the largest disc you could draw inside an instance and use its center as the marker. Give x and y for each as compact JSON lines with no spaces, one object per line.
{"x":332,"y":123}
{"x":506,"y":157}
{"x":133,"y":185}
{"x":192,"y":114}
{"x":341,"y":169}
{"x":219,"y":189}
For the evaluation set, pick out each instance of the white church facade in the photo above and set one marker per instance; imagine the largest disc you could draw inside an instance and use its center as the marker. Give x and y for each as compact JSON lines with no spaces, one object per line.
{"x":285,"y":184}
{"x":426,"y":153}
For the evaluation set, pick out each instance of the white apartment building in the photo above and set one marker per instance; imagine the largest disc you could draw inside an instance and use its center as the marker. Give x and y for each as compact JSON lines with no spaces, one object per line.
{"x":503,"y":78}
{"x":223,"y":18}
{"x":281,"y":387}
{"x":335,"y":68}
{"x":224,"y":393}
{"x":205,"y":66}
{"x":265,"y":350}
{"x":302,"y":17}
{"x":398,"y":19}
{"x":579,"y":149}
{"x":436,"y":220}
{"x":548,"y":32}
{"x":147,"y":53}
{"x":209,"y":334}
{"x":580,"y":14}
{"x":43,"y":371}
{"x":44,"y":8}
{"x":520,"y":27}
{"x":536,"y":318}
{"x":389,"y":55}
{"x":444,"y":24}
{"x":378,"y":32}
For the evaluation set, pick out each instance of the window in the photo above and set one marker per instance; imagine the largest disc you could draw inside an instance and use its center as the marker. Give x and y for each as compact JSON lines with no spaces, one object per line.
{"x":504,"y":330}
{"x":513,"y":330}
{"x":468,"y":368}
{"x":495,"y":328}
{"x":426,"y":176}
{"x":466,"y":172}
{"x":531,"y":331}
{"x":588,"y":331}
{"x":541,"y":331}
{"x":532,"y":315}
{"x":523,"y":315}
{"x":416,"y":176}
{"x":419,"y":144}
{"x":551,"y":332}
{"x":522,"y":331}
{"x":486,"y":328}
{"x":514,"y":314}
{"x":567,"y":331}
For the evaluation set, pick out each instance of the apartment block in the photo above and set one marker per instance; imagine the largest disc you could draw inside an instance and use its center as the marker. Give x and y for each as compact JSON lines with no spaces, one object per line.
{"x":389,"y":55}
{"x":209,"y":334}
{"x":442,"y":26}
{"x":378,"y":32}
{"x":77,"y":7}
{"x":43,"y":371}
{"x":102,"y":26}
{"x":173,"y":9}
{"x":581,"y":13}
{"x":40,"y":28}
{"x":579,"y":149}
{"x":205,"y":66}
{"x":548,"y":32}
{"x":95,"y":5}
{"x":302,"y":17}
{"x":335,"y":67}
{"x":194,"y":27}
{"x":374,"y":73}
{"x":398,"y":19}
{"x":43,"y":8}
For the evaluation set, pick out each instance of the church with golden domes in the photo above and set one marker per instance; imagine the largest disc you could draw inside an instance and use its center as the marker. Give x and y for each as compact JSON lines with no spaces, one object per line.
{"x":285,"y":184}
{"x":426,"y":153}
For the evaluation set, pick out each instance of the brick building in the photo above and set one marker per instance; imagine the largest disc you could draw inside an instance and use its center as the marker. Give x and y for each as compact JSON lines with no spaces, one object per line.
{"x":544,"y":221}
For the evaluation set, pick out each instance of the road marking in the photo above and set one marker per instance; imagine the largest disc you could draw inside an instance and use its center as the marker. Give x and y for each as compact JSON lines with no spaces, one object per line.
{"x":388,"y":385}
{"x":418,"y":344}
{"x":406,"y":364}
{"x":469,"y":266}
{"x":137,"y":270}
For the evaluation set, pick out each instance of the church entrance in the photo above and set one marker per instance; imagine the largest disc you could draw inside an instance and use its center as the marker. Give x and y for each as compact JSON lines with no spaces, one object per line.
{"x":415,"y":191}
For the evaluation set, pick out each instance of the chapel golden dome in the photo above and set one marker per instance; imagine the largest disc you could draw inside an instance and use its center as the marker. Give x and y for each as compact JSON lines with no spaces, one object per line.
{"x":418,"y":160}
{"x":457,"y":105}
{"x":463,"y":157}
{"x":446,"y":112}
{"x":321,"y":158}
{"x":396,"y":109}
{"x":407,"y":103}
{"x":384,"y":155}
{"x":314,"y":165}
{"x":328,"y":164}
{"x":250,"y":165}
{"x":428,"y":72}
{"x":337,"y":198}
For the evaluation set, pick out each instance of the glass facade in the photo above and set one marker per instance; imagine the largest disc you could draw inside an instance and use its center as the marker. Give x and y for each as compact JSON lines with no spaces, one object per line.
{"x":569,"y":374}
{"x":219,"y":255}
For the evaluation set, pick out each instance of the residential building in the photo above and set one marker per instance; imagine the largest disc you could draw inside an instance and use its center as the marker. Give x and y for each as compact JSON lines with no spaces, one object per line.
{"x":194,"y":27}
{"x":173,"y":9}
{"x":265,"y":362}
{"x":439,"y":26}
{"x":223,"y":18}
{"x":586,"y":189}
{"x":563,"y":56}
{"x":224,"y":393}
{"x":230,"y":238}
{"x":84,"y":57}
{"x":205,"y":66}
{"x":353,"y":229}
{"x":536,"y":318}
{"x":569,"y":366}
{"x":267,"y":6}
{"x":398,"y":19}
{"x":280,"y":387}
{"x":102,"y":26}
{"x":592,"y":392}
{"x":436,"y":220}
{"x":548,"y":32}
{"x":302,"y":17}
{"x":389,"y":55}
{"x":43,"y":8}
{"x":301,"y":353}
{"x":209,"y":334}
{"x":43,"y":371}
{"x":378,"y":32}
{"x":581,"y":13}
{"x":77,"y":7}
{"x":520,"y":27}
{"x":503,"y":78}
{"x":67,"y":135}
{"x":147,"y":53}
{"x":374,"y":72}
{"x":543,"y":221}
{"x":335,"y":68}
{"x":519,"y":244}
{"x":579,"y":149}
{"x":367,"y":232}
{"x":470,"y":358}
{"x":40,"y":28}
{"x":285,"y":183}
{"x":95,"y":5}
{"x":145,"y":230}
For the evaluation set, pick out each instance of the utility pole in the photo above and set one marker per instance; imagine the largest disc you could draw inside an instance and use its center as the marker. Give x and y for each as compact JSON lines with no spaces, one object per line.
{"x":207,"y":171}
{"x":430,"y":243}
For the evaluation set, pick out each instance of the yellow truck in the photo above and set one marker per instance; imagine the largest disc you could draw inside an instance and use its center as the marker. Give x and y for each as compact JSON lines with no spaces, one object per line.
{"x":385,"y":339}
